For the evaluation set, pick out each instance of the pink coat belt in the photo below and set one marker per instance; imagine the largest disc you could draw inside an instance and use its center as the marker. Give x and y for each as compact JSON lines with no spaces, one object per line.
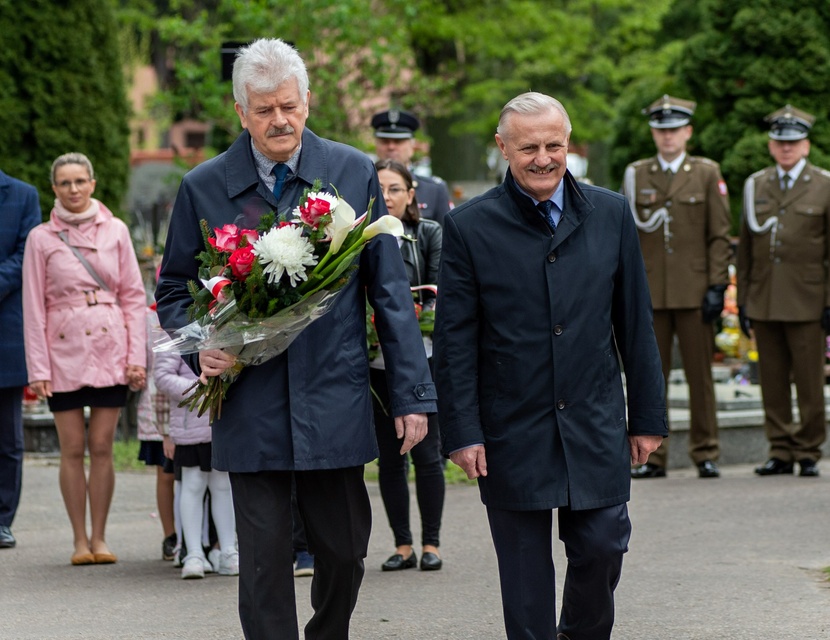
{"x":88,"y":298}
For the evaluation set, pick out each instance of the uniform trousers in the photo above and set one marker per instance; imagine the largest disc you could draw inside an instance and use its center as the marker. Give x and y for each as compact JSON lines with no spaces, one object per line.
{"x":335,"y":509}
{"x":796,"y":348}
{"x":696,"y":341}
{"x":595,"y":541}
{"x":11,"y":452}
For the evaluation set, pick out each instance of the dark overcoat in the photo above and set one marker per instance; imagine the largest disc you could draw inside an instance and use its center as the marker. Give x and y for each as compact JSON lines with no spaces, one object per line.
{"x":310,"y":407}
{"x":19,"y":214}
{"x":529,"y":325}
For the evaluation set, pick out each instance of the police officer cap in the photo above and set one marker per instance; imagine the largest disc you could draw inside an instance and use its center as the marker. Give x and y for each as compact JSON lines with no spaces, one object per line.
{"x":789,"y":124}
{"x":669,"y":113}
{"x":394,"y":124}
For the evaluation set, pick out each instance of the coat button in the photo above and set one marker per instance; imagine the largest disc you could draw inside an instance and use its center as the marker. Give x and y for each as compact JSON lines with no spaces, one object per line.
{"x":551,"y":257}
{"x":561,"y":404}
{"x":420,"y":391}
{"x":557,"y":330}
{"x":668,"y":203}
{"x":60,"y":335}
{"x":88,"y":332}
{"x":103,"y":329}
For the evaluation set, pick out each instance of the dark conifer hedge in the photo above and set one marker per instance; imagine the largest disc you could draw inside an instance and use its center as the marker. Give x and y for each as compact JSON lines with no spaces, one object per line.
{"x":62,"y":89}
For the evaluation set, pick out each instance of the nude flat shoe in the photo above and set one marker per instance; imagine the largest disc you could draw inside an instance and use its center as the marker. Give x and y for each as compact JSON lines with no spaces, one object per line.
{"x":82,"y":558}
{"x":105,"y":558}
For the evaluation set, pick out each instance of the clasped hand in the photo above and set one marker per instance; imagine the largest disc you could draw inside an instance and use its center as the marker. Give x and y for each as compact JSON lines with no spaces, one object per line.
{"x":213,"y":362}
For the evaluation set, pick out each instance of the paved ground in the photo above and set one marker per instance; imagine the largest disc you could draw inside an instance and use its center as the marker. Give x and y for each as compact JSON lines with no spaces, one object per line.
{"x":737,"y":558}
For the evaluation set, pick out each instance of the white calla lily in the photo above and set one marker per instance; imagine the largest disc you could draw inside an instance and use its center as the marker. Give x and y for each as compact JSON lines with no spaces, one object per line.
{"x":385,"y":224}
{"x":342,"y":219}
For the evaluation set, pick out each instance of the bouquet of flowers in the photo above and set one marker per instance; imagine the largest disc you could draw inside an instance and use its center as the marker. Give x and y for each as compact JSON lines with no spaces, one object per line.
{"x":261,"y":287}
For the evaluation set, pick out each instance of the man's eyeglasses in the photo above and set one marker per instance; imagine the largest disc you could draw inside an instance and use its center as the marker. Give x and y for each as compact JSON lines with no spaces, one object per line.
{"x":393,"y":191}
{"x":80,"y":183}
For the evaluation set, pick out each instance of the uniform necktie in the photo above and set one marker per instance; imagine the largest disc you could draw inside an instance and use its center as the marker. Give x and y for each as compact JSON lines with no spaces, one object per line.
{"x":545,"y":208}
{"x":280,"y":170}
{"x":669,"y":175}
{"x":785,"y":182}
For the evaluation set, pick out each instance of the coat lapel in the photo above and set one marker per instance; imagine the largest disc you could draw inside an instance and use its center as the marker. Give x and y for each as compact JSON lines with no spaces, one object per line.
{"x":679,"y":181}
{"x":800,"y":187}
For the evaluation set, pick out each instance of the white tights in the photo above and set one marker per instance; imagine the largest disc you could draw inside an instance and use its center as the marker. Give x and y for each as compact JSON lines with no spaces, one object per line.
{"x":194,"y":484}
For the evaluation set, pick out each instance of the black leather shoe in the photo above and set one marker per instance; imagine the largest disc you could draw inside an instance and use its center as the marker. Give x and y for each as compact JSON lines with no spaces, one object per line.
{"x":397,"y":562}
{"x":648,"y":470}
{"x":809,"y":468}
{"x":774,"y":467}
{"x":7,"y":540}
{"x":431,"y":561}
{"x":708,"y":469}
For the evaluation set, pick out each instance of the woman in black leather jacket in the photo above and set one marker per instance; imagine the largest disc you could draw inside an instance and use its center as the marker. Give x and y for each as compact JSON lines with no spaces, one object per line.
{"x":421,"y":252}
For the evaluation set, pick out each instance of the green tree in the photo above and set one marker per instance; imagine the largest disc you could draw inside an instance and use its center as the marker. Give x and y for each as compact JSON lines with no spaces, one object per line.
{"x":353,"y":51}
{"x":654,"y":73}
{"x":581,"y":51}
{"x":750,"y":59}
{"x":61,"y":90}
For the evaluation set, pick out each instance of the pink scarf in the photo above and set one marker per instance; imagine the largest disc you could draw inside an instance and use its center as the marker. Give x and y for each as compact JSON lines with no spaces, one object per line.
{"x":76,"y":219}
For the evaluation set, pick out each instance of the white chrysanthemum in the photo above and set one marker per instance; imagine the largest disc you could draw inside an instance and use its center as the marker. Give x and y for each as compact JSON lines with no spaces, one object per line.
{"x":285,"y":250}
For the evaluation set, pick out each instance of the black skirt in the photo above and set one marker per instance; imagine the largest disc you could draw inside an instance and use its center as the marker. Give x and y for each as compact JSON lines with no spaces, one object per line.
{"x":105,"y":397}
{"x":151,"y":453}
{"x":193,"y":455}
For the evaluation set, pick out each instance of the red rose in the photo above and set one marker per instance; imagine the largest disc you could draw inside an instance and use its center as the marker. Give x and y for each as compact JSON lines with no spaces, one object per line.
{"x":241,"y":261}
{"x":314,"y":209}
{"x":227,"y":238}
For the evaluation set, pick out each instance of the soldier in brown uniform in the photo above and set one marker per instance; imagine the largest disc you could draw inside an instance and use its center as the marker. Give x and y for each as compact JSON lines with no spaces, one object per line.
{"x":681,"y":209}
{"x":784,"y":290}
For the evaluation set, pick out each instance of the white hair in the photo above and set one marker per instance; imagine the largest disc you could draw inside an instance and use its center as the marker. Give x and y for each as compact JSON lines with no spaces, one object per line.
{"x":532,"y":103}
{"x":263,"y":66}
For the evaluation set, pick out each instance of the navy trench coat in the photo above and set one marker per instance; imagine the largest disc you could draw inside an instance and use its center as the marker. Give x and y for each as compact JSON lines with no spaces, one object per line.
{"x":19,"y":214}
{"x":310,"y":407}
{"x":529,"y":328}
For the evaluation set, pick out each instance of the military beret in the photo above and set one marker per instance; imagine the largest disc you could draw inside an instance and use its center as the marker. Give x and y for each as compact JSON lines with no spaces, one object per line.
{"x":789,"y":124}
{"x":394,"y":124}
{"x":669,"y":112}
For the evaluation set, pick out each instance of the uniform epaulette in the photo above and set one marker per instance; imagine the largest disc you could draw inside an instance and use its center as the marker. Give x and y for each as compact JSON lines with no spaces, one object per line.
{"x":640,"y":163}
{"x":702,"y":160}
{"x":758,"y":174}
{"x":823,"y":172}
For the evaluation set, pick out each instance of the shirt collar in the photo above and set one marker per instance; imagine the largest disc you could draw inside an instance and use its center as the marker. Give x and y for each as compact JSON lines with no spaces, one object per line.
{"x":674,"y":165}
{"x":558,"y":197}
{"x":794,"y":172}
{"x":264,"y":164}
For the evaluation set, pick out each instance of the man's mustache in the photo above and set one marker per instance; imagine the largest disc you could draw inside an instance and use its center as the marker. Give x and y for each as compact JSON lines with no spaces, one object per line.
{"x":279,"y":131}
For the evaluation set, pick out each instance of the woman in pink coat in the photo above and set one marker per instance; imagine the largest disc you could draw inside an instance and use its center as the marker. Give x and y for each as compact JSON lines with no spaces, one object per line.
{"x":84,"y":333}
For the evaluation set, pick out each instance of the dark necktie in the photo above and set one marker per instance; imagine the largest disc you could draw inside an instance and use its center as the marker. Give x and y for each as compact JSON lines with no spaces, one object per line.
{"x":669,"y":175}
{"x":280,"y":170}
{"x":785,"y":182}
{"x":545,"y":208}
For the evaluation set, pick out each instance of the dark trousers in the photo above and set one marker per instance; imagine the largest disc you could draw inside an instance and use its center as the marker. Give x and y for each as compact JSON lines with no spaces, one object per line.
{"x":335,"y":508}
{"x":795,"y":348}
{"x":11,"y":452}
{"x":696,"y":341}
{"x":393,"y":471}
{"x":595,"y":541}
